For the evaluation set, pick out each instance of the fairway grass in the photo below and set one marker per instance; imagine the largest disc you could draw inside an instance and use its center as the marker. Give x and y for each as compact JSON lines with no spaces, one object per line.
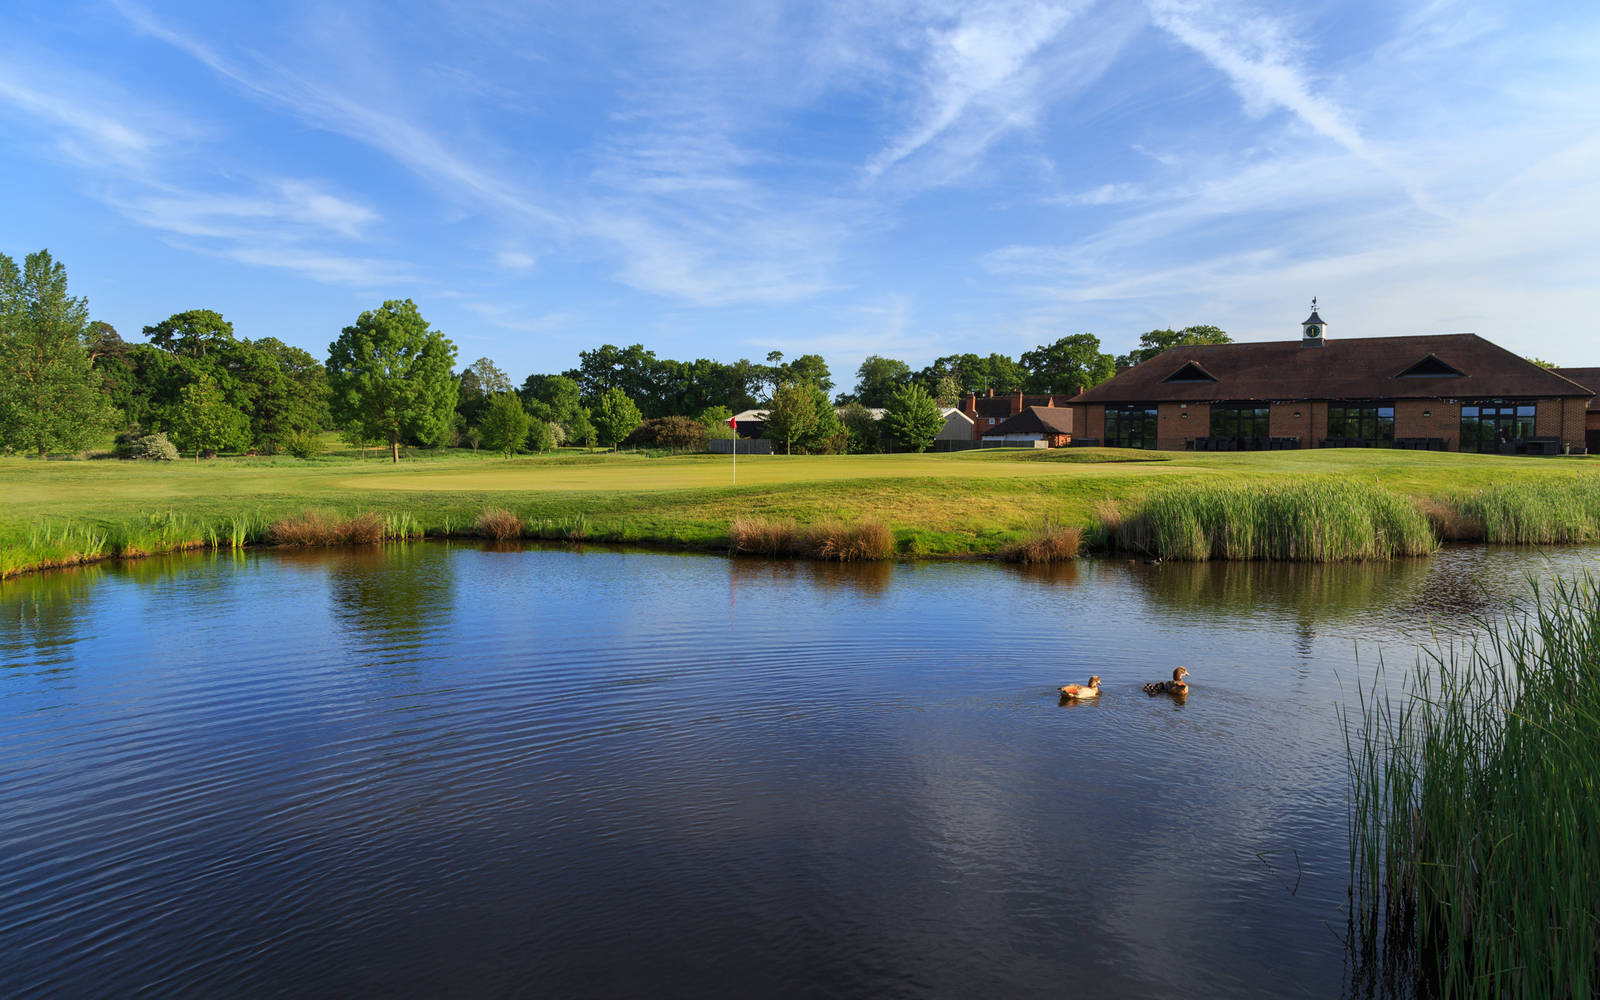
{"x":972,"y":503}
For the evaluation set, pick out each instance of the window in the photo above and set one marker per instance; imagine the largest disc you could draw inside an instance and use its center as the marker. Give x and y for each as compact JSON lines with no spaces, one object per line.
{"x":1361,"y":421}
{"x":1130,"y":427}
{"x":1239,"y":420}
{"x":1489,"y":424}
{"x":1190,"y":372}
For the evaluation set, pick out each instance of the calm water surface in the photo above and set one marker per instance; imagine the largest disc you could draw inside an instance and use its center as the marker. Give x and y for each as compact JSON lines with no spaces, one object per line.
{"x":432,"y":771}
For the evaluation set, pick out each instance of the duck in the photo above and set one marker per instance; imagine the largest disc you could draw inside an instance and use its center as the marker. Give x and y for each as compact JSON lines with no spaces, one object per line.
{"x":1074,"y":692}
{"x":1175,"y":686}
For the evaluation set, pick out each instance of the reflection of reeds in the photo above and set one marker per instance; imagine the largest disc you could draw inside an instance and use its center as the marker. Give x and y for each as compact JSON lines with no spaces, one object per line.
{"x":499,"y":524}
{"x":1045,"y":542}
{"x":1316,"y":521}
{"x":1475,"y":816}
{"x":835,"y":541}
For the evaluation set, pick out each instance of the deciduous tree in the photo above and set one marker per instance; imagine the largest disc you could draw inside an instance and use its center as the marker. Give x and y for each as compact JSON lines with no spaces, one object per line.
{"x":390,"y":374}
{"x":878,"y":378}
{"x":1156,"y":341}
{"x":205,"y":422}
{"x":1069,"y":364}
{"x":505,"y":423}
{"x":615,"y":417}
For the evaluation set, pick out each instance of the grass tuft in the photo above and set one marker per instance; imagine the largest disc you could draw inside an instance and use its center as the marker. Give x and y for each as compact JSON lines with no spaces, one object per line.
{"x":314,"y":527}
{"x":1045,"y":542}
{"x":499,"y":524}
{"x":836,"y":541}
{"x":759,"y":536}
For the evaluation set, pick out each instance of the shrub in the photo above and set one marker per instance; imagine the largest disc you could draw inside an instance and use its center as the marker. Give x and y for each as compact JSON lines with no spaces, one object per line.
{"x":302,"y":444}
{"x":681,"y":433}
{"x":499,"y":524}
{"x":145,"y":447}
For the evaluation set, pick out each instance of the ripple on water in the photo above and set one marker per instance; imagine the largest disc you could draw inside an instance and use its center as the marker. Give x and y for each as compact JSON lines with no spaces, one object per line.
{"x":437,"y":769}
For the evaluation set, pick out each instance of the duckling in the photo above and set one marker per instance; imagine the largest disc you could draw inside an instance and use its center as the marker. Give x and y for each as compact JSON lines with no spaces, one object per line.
{"x":1074,"y":692}
{"x":1175,"y":686}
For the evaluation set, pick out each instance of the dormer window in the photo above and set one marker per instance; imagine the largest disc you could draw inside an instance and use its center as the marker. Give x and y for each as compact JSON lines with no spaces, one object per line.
{"x":1190,"y":372}
{"x":1431,"y":367}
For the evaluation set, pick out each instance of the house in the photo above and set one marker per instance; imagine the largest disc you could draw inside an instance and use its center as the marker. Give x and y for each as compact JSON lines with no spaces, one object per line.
{"x":1455,"y":392}
{"x":1034,"y":427}
{"x":990,"y":411}
{"x":1589,"y":378}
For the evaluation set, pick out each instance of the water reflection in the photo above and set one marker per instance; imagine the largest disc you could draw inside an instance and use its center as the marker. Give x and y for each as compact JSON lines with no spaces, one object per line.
{"x":427,"y":769}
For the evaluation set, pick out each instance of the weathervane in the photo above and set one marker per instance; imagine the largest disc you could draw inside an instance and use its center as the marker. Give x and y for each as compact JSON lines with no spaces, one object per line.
{"x":1313,"y":303}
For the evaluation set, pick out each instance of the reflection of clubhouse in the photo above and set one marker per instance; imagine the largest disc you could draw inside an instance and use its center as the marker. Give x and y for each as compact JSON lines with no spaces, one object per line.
{"x":1452,"y":392}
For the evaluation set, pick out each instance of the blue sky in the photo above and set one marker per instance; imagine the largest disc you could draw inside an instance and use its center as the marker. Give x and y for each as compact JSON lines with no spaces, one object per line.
{"x":904,"y":178}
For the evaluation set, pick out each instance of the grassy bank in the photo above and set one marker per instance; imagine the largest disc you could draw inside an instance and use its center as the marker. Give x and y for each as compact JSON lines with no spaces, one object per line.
{"x":961,"y":504}
{"x":1475,"y":815}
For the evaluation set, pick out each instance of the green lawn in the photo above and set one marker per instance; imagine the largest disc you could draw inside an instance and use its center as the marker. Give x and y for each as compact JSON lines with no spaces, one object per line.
{"x":960,"y":503}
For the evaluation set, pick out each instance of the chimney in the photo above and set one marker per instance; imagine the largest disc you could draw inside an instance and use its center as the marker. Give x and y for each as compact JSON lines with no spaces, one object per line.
{"x":969,"y":404}
{"x":1016,"y":403}
{"x":991,"y":392}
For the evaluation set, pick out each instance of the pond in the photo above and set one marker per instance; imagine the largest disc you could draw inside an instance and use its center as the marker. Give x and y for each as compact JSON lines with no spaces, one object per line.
{"x":431,"y":769}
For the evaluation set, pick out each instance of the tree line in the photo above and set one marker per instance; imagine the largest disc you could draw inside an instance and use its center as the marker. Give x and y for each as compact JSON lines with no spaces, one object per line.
{"x":193,"y":385}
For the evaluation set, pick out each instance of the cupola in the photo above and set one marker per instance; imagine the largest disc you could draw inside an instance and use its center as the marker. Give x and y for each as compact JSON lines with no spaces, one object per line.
{"x":1313,"y":331}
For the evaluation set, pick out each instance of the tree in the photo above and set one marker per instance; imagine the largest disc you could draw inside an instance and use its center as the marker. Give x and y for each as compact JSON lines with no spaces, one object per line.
{"x":865,"y":435}
{"x":792,"y":414}
{"x":715,"y":420}
{"x":479,"y":381}
{"x":947,"y":391}
{"x":193,"y":334}
{"x":616,"y":417}
{"x":878,"y":378}
{"x":582,"y":429}
{"x":51,"y":398}
{"x":1070,"y":364}
{"x":913,"y":418}
{"x":391,"y":375}
{"x":205,"y":422}
{"x":505,"y":423}
{"x":559,"y":394}
{"x":1156,"y":341}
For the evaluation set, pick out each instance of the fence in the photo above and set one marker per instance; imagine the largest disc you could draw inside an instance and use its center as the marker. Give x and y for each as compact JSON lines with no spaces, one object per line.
{"x":747,"y":446}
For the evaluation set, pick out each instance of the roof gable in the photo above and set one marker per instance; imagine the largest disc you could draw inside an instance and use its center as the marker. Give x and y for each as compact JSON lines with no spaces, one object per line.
{"x":1430,"y":367}
{"x":1190,"y":372}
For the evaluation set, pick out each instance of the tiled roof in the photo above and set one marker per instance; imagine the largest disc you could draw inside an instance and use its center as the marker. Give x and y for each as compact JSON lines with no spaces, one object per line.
{"x":1357,"y":368}
{"x":1589,"y":378}
{"x":1035,"y":420}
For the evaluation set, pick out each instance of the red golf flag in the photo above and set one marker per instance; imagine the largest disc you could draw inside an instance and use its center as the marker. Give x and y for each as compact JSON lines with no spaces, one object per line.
{"x":733,"y":422}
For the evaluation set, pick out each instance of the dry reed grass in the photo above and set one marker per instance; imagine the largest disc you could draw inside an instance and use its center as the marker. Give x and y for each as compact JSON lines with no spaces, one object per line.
{"x":315,"y":527}
{"x":837,"y":541}
{"x":1045,"y":543}
{"x":759,"y":536}
{"x":499,"y":524}
{"x":1450,"y":522}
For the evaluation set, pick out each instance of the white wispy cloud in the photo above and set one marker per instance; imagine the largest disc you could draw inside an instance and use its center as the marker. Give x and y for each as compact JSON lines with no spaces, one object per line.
{"x":1256,"y":54}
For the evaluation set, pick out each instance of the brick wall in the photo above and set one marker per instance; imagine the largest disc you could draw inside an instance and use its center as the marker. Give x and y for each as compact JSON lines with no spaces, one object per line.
{"x":1094,"y":422}
{"x":1291,"y":420}
{"x":1561,"y":418}
{"x":1180,"y":422}
{"x":1443,"y":420}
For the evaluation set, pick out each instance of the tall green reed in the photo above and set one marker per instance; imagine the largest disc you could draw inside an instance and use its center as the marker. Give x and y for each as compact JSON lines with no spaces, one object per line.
{"x":1475,"y":813}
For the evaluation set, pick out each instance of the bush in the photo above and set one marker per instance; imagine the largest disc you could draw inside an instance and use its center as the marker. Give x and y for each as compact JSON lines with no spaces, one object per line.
{"x":318,"y":528}
{"x":137,"y":446}
{"x":681,"y":433}
{"x":302,"y":444}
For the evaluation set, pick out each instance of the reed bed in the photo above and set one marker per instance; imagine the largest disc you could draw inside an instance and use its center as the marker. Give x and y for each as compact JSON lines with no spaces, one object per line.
{"x":499,"y":524}
{"x":1321,"y":520}
{"x":833,"y":540}
{"x":1549,"y":512}
{"x":1045,"y":542}
{"x":1475,"y":814}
